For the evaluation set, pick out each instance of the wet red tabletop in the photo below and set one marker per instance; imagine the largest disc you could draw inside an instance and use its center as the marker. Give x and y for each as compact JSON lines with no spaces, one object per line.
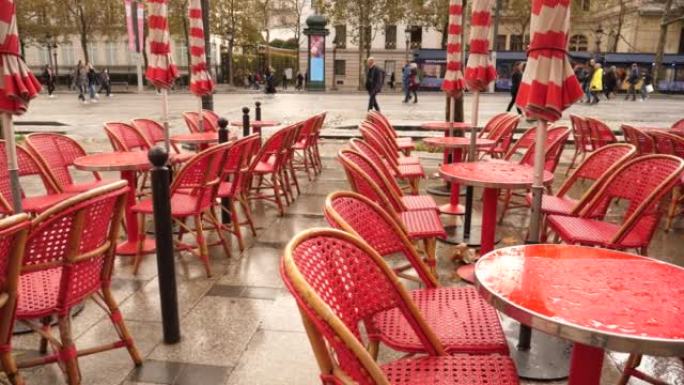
{"x":445,"y":126}
{"x":196,"y":138}
{"x":115,"y":161}
{"x":492,"y":174}
{"x":592,"y":296}
{"x":256,"y":123}
{"x":457,"y":142}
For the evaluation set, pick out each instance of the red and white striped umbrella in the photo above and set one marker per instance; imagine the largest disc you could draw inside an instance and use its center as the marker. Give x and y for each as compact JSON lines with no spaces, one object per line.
{"x":479,"y":71}
{"x":549,"y":85}
{"x":161,"y":71}
{"x":17,"y":83}
{"x":453,"y":83}
{"x":201,"y":83}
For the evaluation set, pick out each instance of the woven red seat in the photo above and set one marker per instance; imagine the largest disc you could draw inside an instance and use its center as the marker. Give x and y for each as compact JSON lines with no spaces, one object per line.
{"x":82,"y":187}
{"x":264,"y":167}
{"x":423,"y":223}
{"x":38,"y":204}
{"x":592,"y":232}
{"x":39,"y":293}
{"x":410,"y":171}
{"x":403,"y":160}
{"x":182,"y":205}
{"x":460,"y":318}
{"x":552,"y":204}
{"x":419,"y":202}
{"x":339,"y":283}
{"x":455,"y":370}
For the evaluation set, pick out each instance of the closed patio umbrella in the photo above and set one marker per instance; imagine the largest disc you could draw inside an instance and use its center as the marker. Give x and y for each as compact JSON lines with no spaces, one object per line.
{"x":161,"y":71}
{"x":201,"y":83}
{"x":453,"y":84}
{"x":548,"y":86}
{"x":17,"y":87}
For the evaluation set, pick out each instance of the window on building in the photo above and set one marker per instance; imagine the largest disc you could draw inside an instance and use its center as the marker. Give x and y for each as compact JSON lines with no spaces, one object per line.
{"x":390,"y":67}
{"x":67,"y":54}
{"x":92,"y":53}
{"x":44,"y":55}
{"x":340,"y":67}
{"x":340,"y":36}
{"x":579,"y":43}
{"x":416,"y":40}
{"x":390,"y":37}
{"x":516,"y":43}
{"x":500,"y":44}
{"x":112,"y":53}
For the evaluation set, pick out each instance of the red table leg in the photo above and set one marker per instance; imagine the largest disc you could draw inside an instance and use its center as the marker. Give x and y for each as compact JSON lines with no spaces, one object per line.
{"x":130,"y":245}
{"x":585,"y":365}
{"x":453,"y":208}
{"x":489,"y":200}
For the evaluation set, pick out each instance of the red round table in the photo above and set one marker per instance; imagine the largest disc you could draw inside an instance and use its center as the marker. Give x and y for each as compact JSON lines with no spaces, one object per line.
{"x":456,"y":145}
{"x":492,"y":176}
{"x":256,"y":124}
{"x":199,"y":139}
{"x":448,"y":128}
{"x":597,"y":298}
{"x":128,"y":163}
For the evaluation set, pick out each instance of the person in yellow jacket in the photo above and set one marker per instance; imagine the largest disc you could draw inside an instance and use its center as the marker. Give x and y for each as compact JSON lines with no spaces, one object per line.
{"x":596,"y":85}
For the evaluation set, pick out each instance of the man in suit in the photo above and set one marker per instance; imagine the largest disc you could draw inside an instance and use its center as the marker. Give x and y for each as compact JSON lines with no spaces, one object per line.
{"x":374,"y":80}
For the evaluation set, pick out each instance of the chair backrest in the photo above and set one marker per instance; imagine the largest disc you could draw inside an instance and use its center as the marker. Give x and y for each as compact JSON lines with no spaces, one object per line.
{"x":56,"y":153}
{"x":13,"y":233}
{"x":378,"y":143}
{"x":641,"y":182}
{"x":125,"y":137}
{"x":78,"y":236}
{"x":200,"y":176}
{"x":192,"y":121}
{"x":581,"y":134}
{"x":380,"y":120}
{"x":388,"y":140}
{"x":30,"y":166}
{"x":153,"y":131}
{"x":553,"y":148}
{"x":666,"y":143}
{"x":238,"y":160}
{"x":365,"y":179}
{"x":362,"y":147}
{"x":678,"y":125}
{"x":364,"y":218}
{"x":491,"y":124}
{"x":503,"y":132}
{"x":339,"y":282}
{"x":639,"y":138}
{"x":273,"y":150}
{"x":601,"y":134}
{"x":525,"y":141}
{"x":597,"y":167}
{"x":212,"y":118}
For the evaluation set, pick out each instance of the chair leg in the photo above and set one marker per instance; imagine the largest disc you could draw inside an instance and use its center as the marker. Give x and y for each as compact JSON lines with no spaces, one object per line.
{"x":672,"y":209}
{"x":9,"y":366}
{"x":137,"y":259}
{"x":68,"y":354}
{"x":219,"y":231}
{"x":202,"y":244}
{"x":117,"y":320}
{"x":308,"y":165}
{"x":276,"y":194}
{"x":248,"y":214}
{"x":430,"y":245}
{"x":507,"y":202}
{"x":294,"y":178}
{"x":285,"y":186}
{"x":632,"y":362}
{"x":45,"y":322}
{"x":236,"y":224}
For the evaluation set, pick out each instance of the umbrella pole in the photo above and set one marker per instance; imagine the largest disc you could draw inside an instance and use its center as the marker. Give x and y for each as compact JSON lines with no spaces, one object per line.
{"x":538,"y":183}
{"x":473,"y":129}
{"x":12,"y":167}
{"x":165,"y":118}
{"x":201,"y":116}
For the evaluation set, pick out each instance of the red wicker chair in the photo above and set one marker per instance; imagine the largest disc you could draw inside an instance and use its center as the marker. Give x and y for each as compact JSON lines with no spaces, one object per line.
{"x":153,"y":132}
{"x":28,"y":166}
{"x":211,"y":118}
{"x":642,"y":183}
{"x":666,"y":143}
{"x":125,"y":137}
{"x":390,"y":148}
{"x":233,"y":185}
{"x":640,"y":139}
{"x":289,"y":173}
{"x":601,"y":134}
{"x":492,"y":124}
{"x":422,"y":225}
{"x":193,"y":195}
{"x":678,"y":125}
{"x":502,"y":134}
{"x":192,"y":122}
{"x":382,"y":176}
{"x":267,"y":167}
{"x":304,"y":156}
{"x":581,"y":135}
{"x":462,"y":320}
{"x":69,"y":258}
{"x":339,"y":283}
{"x":13,"y":232}
{"x":404,"y":144}
{"x":56,"y":153}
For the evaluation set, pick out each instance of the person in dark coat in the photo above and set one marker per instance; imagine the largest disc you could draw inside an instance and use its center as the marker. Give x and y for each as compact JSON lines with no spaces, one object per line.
{"x":414,"y":82}
{"x":300,"y":81}
{"x":92,"y":82}
{"x":374,"y":80}
{"x":610,"y":81}
{"x":105,"y":82}
{"x":49,"y":80}
{"x":516,"y":79}
{"x":632,"y":80}
{"x":270,"y":82}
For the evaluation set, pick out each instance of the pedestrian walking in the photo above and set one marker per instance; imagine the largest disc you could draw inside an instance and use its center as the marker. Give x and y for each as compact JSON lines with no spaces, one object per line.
{"x":80,"y":80}
{"x":610,"y":81}
{"x":287,"y":73}
{"x":586,"y":84}
{"x":49,"y":80}
{"x":596,"y":85}
{"x":300,"y":81}
{"x":105,"y":82}
{"x":374,"y":81}
{"x":646,"y":85}
{"x":414,"y":82}
{"x":516,"y":78}
{"x":632,"y":79}
{"x":92,"y":83}
{"x":392,"y":80}
{"x":270,"y":81}
{"x":405,"y":76}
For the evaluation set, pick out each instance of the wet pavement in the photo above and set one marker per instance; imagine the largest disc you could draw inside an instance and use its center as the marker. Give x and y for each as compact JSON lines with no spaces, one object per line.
{"x":241,"y":326}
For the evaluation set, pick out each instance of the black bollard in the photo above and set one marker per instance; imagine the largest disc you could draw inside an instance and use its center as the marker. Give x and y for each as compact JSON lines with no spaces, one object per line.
{"x":225,"y":202}
{"x":166,"y":268}
{"x":257,"y":111}
{"x":245,"y":122}
{"x":468,"y":214}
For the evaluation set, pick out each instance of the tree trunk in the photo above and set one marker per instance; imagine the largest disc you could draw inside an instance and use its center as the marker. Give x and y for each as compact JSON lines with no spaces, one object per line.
{"x":621,"y":20}
{"x":660,"y":50}
{"x":83,"y":29}
{"x":231,"y":42}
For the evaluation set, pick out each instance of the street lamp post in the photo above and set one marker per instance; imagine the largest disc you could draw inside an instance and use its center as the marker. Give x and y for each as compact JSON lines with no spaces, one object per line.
{"x":599,"y":31}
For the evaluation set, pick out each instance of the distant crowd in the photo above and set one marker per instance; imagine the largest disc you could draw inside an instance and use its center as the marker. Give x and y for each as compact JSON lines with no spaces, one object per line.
{"x":596,"y":81}
{"x":84,"y":79}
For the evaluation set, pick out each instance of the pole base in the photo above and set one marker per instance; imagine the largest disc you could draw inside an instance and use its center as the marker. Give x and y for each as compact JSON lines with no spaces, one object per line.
{"x":449,"y":209}
{"x":442,"y":191}
{"x":455,"y":236}
{"x":129,"y":248}
{"x":548,"y":358}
